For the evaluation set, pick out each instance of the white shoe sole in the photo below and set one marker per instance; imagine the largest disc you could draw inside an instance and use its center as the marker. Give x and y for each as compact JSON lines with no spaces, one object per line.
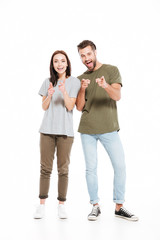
{"x":93,"y":219}
{"x":129,"y":219}
{"x":63,"y":217}
{"x":38,"y":217}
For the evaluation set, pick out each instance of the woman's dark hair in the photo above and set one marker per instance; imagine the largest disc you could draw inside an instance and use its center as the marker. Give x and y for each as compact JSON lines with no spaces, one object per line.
{"x":86,"y":43}
{"x":53,"y":74}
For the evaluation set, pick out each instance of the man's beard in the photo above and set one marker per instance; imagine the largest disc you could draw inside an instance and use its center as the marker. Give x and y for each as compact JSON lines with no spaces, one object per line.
{"x":94,"y":65}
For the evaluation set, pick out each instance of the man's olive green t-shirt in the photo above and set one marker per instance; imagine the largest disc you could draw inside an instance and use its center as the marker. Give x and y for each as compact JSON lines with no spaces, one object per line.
{"x":99,"y":114}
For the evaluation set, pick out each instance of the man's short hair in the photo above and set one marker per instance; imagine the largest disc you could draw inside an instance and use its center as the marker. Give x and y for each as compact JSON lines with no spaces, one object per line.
{"x":86,"y":43}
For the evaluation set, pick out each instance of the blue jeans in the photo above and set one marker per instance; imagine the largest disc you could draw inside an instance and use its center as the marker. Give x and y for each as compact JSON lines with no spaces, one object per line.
{"x":113,"y":146}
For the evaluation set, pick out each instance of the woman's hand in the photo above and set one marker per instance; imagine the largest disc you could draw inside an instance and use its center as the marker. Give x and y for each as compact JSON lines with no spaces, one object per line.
{"x":47,"y":99}
{"x":51,"y":90}
{"x":61,"y":86}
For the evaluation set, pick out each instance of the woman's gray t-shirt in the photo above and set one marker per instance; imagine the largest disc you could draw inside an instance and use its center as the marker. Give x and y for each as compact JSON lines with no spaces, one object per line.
{"x":57,"y":119}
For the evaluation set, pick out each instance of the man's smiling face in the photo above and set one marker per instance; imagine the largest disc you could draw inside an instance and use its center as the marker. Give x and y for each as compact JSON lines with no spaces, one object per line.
{"x":88,"y":57}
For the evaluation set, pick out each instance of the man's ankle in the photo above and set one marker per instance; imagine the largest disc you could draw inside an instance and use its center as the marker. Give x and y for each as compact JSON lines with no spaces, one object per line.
{"x":96,"y":204}
{"x":118,"y":206}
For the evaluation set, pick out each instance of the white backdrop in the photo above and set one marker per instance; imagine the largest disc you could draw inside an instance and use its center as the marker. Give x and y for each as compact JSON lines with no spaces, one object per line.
{"x":126,"y":34}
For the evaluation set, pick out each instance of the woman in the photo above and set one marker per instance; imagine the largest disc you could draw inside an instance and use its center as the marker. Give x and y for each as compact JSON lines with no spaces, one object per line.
{"x":59,"y":94}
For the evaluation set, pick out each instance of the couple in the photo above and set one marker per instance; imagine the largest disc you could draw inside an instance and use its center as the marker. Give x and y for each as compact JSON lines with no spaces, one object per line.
{"x":95,"y":93}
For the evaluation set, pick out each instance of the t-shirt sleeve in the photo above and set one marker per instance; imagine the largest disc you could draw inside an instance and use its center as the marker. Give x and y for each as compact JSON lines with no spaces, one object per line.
{"x":115,"y":76}
{"x":43,"y":91}
{"x":75,"y":87}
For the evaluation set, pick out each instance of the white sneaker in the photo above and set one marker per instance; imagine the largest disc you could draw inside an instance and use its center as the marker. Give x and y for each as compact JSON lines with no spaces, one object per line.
{"x":61,"y":211}
{"x":39,"y":213}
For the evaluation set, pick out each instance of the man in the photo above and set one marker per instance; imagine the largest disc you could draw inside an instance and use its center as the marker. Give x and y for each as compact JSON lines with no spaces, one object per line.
{"x":100,"y":89}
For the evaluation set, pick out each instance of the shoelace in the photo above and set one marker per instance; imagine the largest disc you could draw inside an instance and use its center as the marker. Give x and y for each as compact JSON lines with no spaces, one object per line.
{"x":94,"y":211}
{"x":126,"y":212}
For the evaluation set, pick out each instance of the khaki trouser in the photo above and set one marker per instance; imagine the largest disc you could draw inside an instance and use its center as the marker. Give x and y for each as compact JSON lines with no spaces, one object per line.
{"x":48,"y":144}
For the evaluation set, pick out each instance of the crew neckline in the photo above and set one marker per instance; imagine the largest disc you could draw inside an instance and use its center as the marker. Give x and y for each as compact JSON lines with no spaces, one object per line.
{"x":94,"y":71}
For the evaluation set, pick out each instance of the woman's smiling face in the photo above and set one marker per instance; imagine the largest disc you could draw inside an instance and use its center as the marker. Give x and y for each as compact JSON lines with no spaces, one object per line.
{"x":60,"y":63}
